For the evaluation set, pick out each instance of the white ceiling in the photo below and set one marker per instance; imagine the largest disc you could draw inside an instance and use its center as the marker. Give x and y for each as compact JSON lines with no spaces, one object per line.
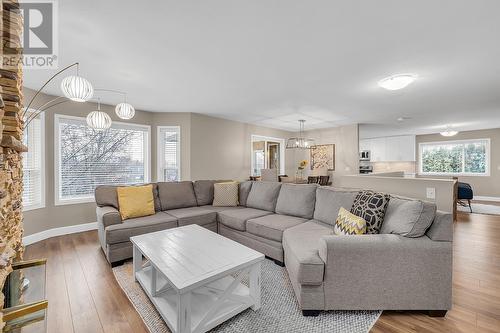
{"x":274,"y":62}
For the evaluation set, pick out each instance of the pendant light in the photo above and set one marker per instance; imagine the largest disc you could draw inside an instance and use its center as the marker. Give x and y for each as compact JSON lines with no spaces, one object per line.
{"x":300,"y":142}
{"x":98,"y":120}
{"x":76,"y":88}
{"x":125,"y":110}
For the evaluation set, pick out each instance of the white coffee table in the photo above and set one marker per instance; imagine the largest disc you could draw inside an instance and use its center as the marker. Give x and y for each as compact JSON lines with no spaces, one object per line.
{"x":193,"y":276}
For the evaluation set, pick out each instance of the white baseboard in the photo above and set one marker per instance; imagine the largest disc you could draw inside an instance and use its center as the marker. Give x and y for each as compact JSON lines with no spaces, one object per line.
{"x":72,"y":229}
{"x":481,"y":198}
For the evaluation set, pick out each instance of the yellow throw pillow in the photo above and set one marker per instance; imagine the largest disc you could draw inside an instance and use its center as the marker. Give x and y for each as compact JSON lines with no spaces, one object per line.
{"x":135,"y":201}
{"x":349,"y":224}
{"x":226,"y":194}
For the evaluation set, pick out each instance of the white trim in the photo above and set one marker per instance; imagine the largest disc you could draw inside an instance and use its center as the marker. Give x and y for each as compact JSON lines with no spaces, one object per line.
{"x":54,"y":232}
{"x":57,"y":157}
{"x":485,"y":198}
{"x":160,"y":150}
{"x":43,"y":167}
{"x":256,"y":137}
{"x":460,"y":174}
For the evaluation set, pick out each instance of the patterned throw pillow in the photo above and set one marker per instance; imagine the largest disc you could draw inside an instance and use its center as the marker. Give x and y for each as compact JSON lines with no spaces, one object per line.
{"x":371,"y":206}
{"x":226,"y":194}
{"x":349,"y":224}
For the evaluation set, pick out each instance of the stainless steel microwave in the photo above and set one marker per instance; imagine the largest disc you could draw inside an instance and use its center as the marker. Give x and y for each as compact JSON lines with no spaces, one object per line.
{"x":364,"y":155}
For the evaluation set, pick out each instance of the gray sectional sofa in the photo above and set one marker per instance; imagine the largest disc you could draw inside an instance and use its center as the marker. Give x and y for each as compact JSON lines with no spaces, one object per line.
{"x":406,"y":267}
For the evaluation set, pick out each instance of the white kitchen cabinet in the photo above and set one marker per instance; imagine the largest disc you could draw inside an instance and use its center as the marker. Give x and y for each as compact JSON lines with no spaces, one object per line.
{"x":379,"y":150}
{"x":390,"y":149}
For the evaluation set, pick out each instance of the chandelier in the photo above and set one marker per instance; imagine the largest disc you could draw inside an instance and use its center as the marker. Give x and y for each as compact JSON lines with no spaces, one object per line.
{"x":300,"y":142}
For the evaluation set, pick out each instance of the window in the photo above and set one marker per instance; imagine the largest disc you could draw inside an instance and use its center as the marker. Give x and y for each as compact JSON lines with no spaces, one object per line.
{"x":33,"y":165}
{"x":86,"y":158}
{"x":169,"y":153}
{"x":465,"y":157}
{"x":267,"y":153}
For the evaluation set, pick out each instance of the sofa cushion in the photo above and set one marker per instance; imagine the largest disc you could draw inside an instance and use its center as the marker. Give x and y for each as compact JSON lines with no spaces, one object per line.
{"x":296,"y":200}
{"x":237,"y":218}
{"x":193,"y":215}
{"x":105,"y":195}
{"x":204,"y":191}
{"x":225,"y":194}
{"x":263,"y":195}
{"x":301,"y":244}
{"x":175,"y":195}
{"x":408,"y":217}
{"x":371,"y":206}
{"x":272,"y":226}
{"x":244,"y":190}
{"x":122,"y":232}
{"x":329,"y":201}
{"x":220,"y":208}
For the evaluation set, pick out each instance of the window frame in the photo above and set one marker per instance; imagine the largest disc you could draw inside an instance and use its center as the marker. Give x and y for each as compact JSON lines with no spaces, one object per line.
{"x":57,"y":157}
{"x":459,"y":174}
{"x":43,"y":167}
{"x":159,"y":152}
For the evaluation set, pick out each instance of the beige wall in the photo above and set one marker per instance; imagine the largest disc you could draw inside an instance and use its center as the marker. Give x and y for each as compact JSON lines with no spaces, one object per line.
{"x":346,"y":142}
{"x":220,"y":148}
{"x":408,"y":187}
{"x":482,"y":185}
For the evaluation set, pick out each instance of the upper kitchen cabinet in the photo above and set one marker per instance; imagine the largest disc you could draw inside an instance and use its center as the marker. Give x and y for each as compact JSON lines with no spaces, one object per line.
{"x":390,"y":149}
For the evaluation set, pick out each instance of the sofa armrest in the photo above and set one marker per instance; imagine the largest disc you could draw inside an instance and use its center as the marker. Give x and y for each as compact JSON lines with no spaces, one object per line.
{"x":373,"y":248}
{"x":386,"y":272}
{"x":441,"y":228}
{"x":107,"y":216}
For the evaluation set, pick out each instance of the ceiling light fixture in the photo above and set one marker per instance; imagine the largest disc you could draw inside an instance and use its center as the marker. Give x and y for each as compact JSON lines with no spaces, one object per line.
{"x":398,"y":81}
{"x":98,"y":120}
{"x":125,"y":111}
{"x":300,"y":142}
{"x":76,"y":88}
{"x":449,"y":132}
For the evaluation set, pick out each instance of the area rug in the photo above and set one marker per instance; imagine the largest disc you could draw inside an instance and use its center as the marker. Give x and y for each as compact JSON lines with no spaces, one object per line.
{"x":481,"y":209}
{"x":279,"y":312}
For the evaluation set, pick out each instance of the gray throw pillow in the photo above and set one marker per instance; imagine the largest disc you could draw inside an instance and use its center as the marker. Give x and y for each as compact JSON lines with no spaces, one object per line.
{"x":408,"y":217}
{"x":371,"y":206}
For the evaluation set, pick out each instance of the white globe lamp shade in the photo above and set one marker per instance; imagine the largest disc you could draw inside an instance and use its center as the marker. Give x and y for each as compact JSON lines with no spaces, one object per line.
{"x":98,"y":120}
{"x":125,"y":111}
{"x":77,"y":89}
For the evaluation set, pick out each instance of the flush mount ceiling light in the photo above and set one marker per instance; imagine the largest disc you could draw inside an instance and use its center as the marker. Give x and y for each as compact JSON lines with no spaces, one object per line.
{"x":449,"y":132}
{"x":398,"y":81}
{"x":300,"y":142}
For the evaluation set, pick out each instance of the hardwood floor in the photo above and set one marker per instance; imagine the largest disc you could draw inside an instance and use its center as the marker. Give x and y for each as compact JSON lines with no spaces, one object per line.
{"x":476,"y":283}
{"x":84,"y":296}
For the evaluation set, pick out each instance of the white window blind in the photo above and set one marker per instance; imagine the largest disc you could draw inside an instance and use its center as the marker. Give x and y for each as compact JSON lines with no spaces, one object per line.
{"x":169,"y":164}
{"x":88,"y":158}
{"x":33,"y":168}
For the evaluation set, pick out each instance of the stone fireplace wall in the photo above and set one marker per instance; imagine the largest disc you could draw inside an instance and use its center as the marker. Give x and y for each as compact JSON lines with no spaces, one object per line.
{"x":11,"y":132}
